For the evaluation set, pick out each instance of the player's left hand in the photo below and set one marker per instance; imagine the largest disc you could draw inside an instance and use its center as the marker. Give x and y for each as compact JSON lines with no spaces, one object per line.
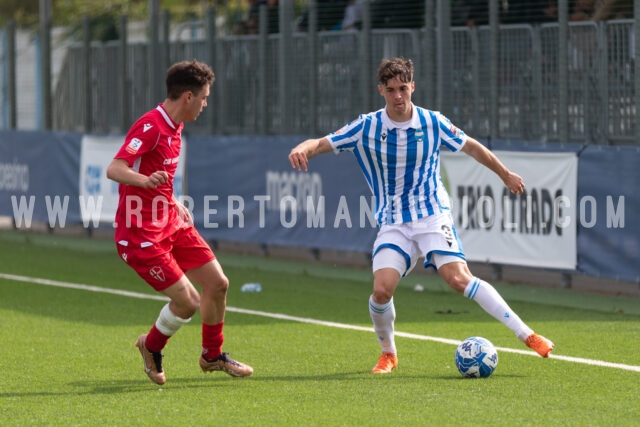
{"x":515,"y":183}
{"x":183,"y":212}
{"x":298,"y":159}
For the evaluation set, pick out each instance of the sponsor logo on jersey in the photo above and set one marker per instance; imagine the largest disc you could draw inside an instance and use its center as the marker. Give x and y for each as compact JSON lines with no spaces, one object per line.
{"x":134,"y":146}
{"x":170,"y":161}
{"x":157,"y":273}
{"x":146,"y":127}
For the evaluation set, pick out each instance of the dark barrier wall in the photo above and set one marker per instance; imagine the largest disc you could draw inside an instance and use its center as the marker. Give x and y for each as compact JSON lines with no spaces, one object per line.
{"x":604,"y":249}
{"x":227,"y":174}
{"x":244,"y":167}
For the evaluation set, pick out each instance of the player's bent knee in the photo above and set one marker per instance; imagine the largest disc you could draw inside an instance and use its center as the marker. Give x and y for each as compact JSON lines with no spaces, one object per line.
{"x":382,"y":295}
{"x":223,"y":284}
{"x":385,"y":282}
{"x":220,"y":286}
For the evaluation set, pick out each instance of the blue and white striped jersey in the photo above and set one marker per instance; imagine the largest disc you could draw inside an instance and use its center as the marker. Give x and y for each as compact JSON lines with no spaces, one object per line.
{"x":401,"y":161}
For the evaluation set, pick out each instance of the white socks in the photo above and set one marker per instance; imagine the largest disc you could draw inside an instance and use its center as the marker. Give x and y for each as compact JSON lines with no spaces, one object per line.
{"x":383,"y":316}
{"x":490,"y":300}
{"x":168,"y":323}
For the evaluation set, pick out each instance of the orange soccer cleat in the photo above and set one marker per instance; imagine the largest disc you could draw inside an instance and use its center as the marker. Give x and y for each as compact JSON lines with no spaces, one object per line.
{"x":540,"y":344}
{"x":387,"y":363}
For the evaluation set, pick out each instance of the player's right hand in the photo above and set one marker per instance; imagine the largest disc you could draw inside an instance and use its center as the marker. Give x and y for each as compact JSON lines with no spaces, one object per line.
{"x":156,"y":179}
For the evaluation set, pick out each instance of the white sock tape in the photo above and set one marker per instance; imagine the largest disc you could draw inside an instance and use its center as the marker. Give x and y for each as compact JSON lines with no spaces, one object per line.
{"x":168,"y":323}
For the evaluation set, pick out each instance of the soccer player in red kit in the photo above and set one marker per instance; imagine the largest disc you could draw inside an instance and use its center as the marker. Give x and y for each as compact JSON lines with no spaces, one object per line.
{"x":154,"y":232}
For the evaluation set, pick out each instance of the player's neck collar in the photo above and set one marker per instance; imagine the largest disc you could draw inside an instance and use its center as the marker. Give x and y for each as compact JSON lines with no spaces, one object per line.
{"x":166,"y":116}
{"x":413,"y":122}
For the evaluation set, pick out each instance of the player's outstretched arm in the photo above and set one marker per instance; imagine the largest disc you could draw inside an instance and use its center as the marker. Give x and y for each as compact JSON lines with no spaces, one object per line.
{"x":119,"y":171}
{"x":482,"y":155}
{"x":301,"y":153}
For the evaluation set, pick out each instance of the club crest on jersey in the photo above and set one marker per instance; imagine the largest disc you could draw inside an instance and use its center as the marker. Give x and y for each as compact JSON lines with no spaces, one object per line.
{"x":157,"y":273}
{"x":133,"y":146}
{"x":146,"y":127}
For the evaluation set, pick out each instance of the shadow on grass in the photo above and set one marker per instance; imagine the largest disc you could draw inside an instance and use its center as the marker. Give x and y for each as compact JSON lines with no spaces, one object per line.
{"x":107,"y":387}
{"x":79,"y":388}
{"x":88,"y":387}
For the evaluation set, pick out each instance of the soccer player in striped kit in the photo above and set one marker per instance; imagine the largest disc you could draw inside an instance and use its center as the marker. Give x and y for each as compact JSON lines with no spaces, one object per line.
{"x":155,"y":234}
{"x":398,"y":150}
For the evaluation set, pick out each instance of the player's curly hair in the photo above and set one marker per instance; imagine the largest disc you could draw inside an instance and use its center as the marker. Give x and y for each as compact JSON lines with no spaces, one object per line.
{"x":395,"y":67}
{"x":188,"y":76}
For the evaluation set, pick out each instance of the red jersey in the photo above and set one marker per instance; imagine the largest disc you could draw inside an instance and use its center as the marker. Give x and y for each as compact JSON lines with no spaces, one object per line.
{"x":149,"y":215}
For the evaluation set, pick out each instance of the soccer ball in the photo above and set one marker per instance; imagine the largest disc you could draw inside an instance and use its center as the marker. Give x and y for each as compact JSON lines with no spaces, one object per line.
{"x":476,"y":357}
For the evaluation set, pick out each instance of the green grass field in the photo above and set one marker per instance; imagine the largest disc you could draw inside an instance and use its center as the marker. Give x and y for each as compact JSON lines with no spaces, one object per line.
{"x":67,"y":355}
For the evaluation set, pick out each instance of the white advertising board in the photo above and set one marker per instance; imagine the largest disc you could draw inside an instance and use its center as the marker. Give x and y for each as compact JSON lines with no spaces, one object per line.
{"x":537,"y":228}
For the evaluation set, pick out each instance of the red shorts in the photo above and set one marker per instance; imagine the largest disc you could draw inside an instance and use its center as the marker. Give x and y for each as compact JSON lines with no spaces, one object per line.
{"x":163,"y":263}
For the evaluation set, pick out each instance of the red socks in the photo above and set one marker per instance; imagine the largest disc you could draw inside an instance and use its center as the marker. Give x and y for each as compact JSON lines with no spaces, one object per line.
{"x":212,"y":339}
{"x":156,"y":340}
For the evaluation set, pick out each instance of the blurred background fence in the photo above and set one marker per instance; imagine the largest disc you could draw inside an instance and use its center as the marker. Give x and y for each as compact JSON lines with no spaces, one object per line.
{"x":538,"y":70}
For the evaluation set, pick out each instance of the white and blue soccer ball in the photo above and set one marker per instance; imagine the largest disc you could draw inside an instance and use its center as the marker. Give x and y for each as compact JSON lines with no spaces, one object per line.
{"x":476,"y":357}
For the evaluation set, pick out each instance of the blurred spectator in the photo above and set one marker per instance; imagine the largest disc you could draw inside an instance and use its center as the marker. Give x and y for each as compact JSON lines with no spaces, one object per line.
{"x":352,"y":17}
{"x":330,"y":15}
{"x":397,"y":13}
{"x":600,"y":10}
{"x":613,"y":9}
{"x":530,"y":11}
{"x":469,"y":12}
{"x":252,"y":23}
{"x":582,"y":10}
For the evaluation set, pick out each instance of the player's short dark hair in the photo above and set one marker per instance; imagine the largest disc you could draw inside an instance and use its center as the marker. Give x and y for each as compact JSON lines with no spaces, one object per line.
{"x":188,"y":76}
{"x":395,"y":67}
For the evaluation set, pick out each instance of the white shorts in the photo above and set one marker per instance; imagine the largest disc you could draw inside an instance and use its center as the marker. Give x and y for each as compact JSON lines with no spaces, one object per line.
{"x":399,"y":246}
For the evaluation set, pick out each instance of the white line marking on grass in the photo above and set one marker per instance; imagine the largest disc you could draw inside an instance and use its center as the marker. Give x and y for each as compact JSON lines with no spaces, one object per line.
{"x":429,"y":338}
{"x":279,"y":316}
{"x":81,"y":287}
